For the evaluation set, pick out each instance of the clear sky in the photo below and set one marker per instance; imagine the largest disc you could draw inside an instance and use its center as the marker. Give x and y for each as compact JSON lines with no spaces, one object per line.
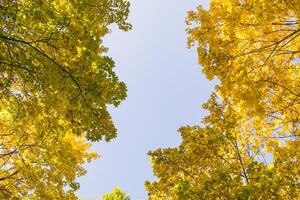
{"x":165,"y":91}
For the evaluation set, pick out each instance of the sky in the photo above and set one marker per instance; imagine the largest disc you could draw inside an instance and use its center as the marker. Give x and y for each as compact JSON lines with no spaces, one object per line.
{"x":165,"y":91}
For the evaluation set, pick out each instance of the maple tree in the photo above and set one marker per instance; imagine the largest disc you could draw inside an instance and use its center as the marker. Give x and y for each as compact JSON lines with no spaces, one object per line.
{"x":248,"y":145}
{"x":55,"y":85}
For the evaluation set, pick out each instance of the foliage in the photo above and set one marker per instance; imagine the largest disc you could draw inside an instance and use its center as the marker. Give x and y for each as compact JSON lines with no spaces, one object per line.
{"x":55,"y":85}
{"x":116,"y":194}
{"x":248,"y":146}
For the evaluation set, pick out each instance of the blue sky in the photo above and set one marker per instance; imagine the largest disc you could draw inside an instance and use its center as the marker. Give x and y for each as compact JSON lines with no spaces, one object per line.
{"x":165,"y":91}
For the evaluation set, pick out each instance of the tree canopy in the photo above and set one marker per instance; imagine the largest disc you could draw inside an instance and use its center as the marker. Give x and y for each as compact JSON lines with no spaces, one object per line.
{"x":56,"y":81}
{"x":247,"y":147}
{"x":116,"y":194}
{"x":55,"y":85}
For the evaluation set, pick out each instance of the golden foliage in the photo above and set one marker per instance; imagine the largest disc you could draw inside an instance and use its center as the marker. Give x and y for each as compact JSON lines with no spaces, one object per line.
{"x":249,"y":145}
{"x":55,"y":85}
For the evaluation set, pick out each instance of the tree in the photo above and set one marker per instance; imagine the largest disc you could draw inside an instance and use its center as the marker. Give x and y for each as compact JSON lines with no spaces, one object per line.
{"x":55,"y":86}
{"x":248,"y":146}
{"x":116,"y":194}
{"x":254,"y":52}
